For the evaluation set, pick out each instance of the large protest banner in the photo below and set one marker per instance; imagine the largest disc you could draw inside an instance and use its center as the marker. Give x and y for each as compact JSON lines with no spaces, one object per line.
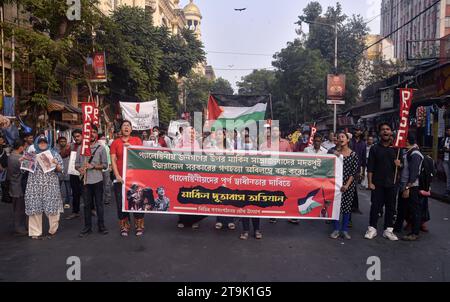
{"x":236,"y":184}
{"x":143,"y":116}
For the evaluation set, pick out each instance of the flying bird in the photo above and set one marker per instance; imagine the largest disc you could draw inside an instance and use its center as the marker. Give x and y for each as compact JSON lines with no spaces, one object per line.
{"x":240,"y":9}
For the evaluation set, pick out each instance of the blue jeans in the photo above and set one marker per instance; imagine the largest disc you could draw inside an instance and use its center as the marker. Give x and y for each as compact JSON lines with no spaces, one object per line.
{"x":345,"y":221}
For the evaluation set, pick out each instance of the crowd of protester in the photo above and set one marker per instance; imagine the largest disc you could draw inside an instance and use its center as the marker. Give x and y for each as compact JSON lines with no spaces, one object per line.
{"x":370,"y":162}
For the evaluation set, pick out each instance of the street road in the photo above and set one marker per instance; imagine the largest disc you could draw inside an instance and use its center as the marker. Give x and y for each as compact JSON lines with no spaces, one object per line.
{"x":287,"y":253}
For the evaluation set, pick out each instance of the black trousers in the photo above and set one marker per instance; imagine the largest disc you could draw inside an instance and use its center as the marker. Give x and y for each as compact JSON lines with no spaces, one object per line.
{"x":77,"y":190}
{"x":20,"y":219}
{"x":246,"y":224}
{"x":383,"y":196}
{"x":93,"y":195}
{"x":118,"y":196}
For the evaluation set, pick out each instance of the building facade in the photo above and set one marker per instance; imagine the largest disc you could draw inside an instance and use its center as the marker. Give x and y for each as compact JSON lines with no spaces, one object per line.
{"x":432,"y":25}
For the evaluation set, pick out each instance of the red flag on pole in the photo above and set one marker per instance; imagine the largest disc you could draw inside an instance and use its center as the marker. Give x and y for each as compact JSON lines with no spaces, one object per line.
{"x":90,"y":117}
{"x":313,"y":134}
{"x":406,"y":96}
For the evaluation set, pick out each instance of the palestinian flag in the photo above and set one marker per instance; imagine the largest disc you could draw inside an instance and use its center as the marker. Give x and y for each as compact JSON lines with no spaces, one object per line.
{"x":308,"y":204}
{"x":219,"y":115}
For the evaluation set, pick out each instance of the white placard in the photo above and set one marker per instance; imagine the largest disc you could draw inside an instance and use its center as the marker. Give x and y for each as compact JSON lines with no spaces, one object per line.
{"x":45,"y":160}
{"x":143,"y":116}
{"x":71,"y":169}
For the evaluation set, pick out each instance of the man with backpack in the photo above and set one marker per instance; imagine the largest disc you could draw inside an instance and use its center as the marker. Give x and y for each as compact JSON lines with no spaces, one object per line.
{"x":415,"y":182}
{"x":91,"y":169}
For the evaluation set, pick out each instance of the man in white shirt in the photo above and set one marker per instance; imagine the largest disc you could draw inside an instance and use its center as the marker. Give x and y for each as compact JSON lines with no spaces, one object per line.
{"x":329,"y":143}
{"x":317,"y":147}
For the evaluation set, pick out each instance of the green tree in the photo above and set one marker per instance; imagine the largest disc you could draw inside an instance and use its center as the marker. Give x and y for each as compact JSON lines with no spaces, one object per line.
{"x":198,"y":89}
{"x":301,"y":73}
{"x":259,"y":82}
{"x":352,"y":33}
{"x":53,"y":48}
{"x":221,"y":86}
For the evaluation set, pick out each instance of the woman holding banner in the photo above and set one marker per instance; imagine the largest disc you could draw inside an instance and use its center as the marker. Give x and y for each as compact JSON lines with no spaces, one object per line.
{"x":221,"y":145}
{"x":348,"y":186}
{"x":188,"y":143}
{"x":117,"y":152}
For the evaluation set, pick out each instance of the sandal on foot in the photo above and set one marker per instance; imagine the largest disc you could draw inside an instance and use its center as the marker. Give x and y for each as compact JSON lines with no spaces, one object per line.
{"x":231,"y":226}
{"x":219,"y":226}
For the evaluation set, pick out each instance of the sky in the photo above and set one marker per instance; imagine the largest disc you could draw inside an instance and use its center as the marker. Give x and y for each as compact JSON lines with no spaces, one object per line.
{"x":261,"y":30}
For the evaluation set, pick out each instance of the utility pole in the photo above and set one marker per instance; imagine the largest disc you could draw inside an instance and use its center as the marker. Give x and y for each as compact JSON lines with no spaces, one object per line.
{"x":335,"y":27}
{"x":335,"y":70}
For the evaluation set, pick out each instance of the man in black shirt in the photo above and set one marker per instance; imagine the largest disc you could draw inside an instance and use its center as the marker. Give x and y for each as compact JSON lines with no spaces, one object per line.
{"x":381,"y":173}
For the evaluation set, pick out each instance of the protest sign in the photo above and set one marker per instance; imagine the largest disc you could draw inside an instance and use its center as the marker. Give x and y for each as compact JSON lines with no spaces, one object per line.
{"x":235,"y":184}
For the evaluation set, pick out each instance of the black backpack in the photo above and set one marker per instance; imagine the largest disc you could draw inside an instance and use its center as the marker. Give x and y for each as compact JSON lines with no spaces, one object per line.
{"x":427,"y":172}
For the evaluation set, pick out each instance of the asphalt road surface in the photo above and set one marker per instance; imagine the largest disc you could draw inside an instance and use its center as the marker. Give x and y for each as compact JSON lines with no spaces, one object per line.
{"x":287,"y":252}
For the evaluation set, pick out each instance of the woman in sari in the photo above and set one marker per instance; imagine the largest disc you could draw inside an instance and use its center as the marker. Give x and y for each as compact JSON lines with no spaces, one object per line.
{"x":43,"y":194}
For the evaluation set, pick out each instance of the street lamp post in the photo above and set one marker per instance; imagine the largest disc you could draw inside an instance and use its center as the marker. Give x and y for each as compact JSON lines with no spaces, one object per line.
{"x":335,"y":27}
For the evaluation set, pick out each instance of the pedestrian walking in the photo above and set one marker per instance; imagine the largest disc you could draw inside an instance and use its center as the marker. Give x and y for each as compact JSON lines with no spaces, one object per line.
{"x":348,"y":186}
{"x":381,"y":171}
{"x":117,"y":153}
{"x":15,"y":178}
{"x":43,"y":194}
{"x":91,"y":169}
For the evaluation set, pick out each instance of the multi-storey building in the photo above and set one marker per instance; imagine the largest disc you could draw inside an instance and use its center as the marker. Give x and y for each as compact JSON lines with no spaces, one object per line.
{"x":430,"y":26}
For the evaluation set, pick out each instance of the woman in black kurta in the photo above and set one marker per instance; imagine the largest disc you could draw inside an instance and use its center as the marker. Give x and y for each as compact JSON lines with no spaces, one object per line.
{"x":348,"y":186}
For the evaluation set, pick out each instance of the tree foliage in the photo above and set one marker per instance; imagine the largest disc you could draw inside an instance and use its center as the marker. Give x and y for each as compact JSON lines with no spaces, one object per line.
{"x":144,"y":62}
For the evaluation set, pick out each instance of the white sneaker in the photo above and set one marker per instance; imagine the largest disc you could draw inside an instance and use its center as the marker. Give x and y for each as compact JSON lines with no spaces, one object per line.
{"x":389,"y":234}
{"x":371,"y":233}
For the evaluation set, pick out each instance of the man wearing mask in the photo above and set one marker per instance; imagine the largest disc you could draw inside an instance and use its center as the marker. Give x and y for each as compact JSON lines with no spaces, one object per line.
{"x":381,"y":171}
{"x":446,"y":149}
{"x":75,"y":182}
{"x":91,"y":168}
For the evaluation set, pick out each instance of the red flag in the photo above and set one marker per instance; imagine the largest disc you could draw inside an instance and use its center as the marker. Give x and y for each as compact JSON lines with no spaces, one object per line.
{"x":313,"y":133}
{"x":406,"y":96}
{"x":214,"y":110}
{"x":90,"y":117}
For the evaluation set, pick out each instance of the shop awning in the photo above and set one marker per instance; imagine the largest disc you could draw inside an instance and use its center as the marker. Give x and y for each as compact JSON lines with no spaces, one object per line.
{"x":379,"y":114}
{"x":54,"y":105}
